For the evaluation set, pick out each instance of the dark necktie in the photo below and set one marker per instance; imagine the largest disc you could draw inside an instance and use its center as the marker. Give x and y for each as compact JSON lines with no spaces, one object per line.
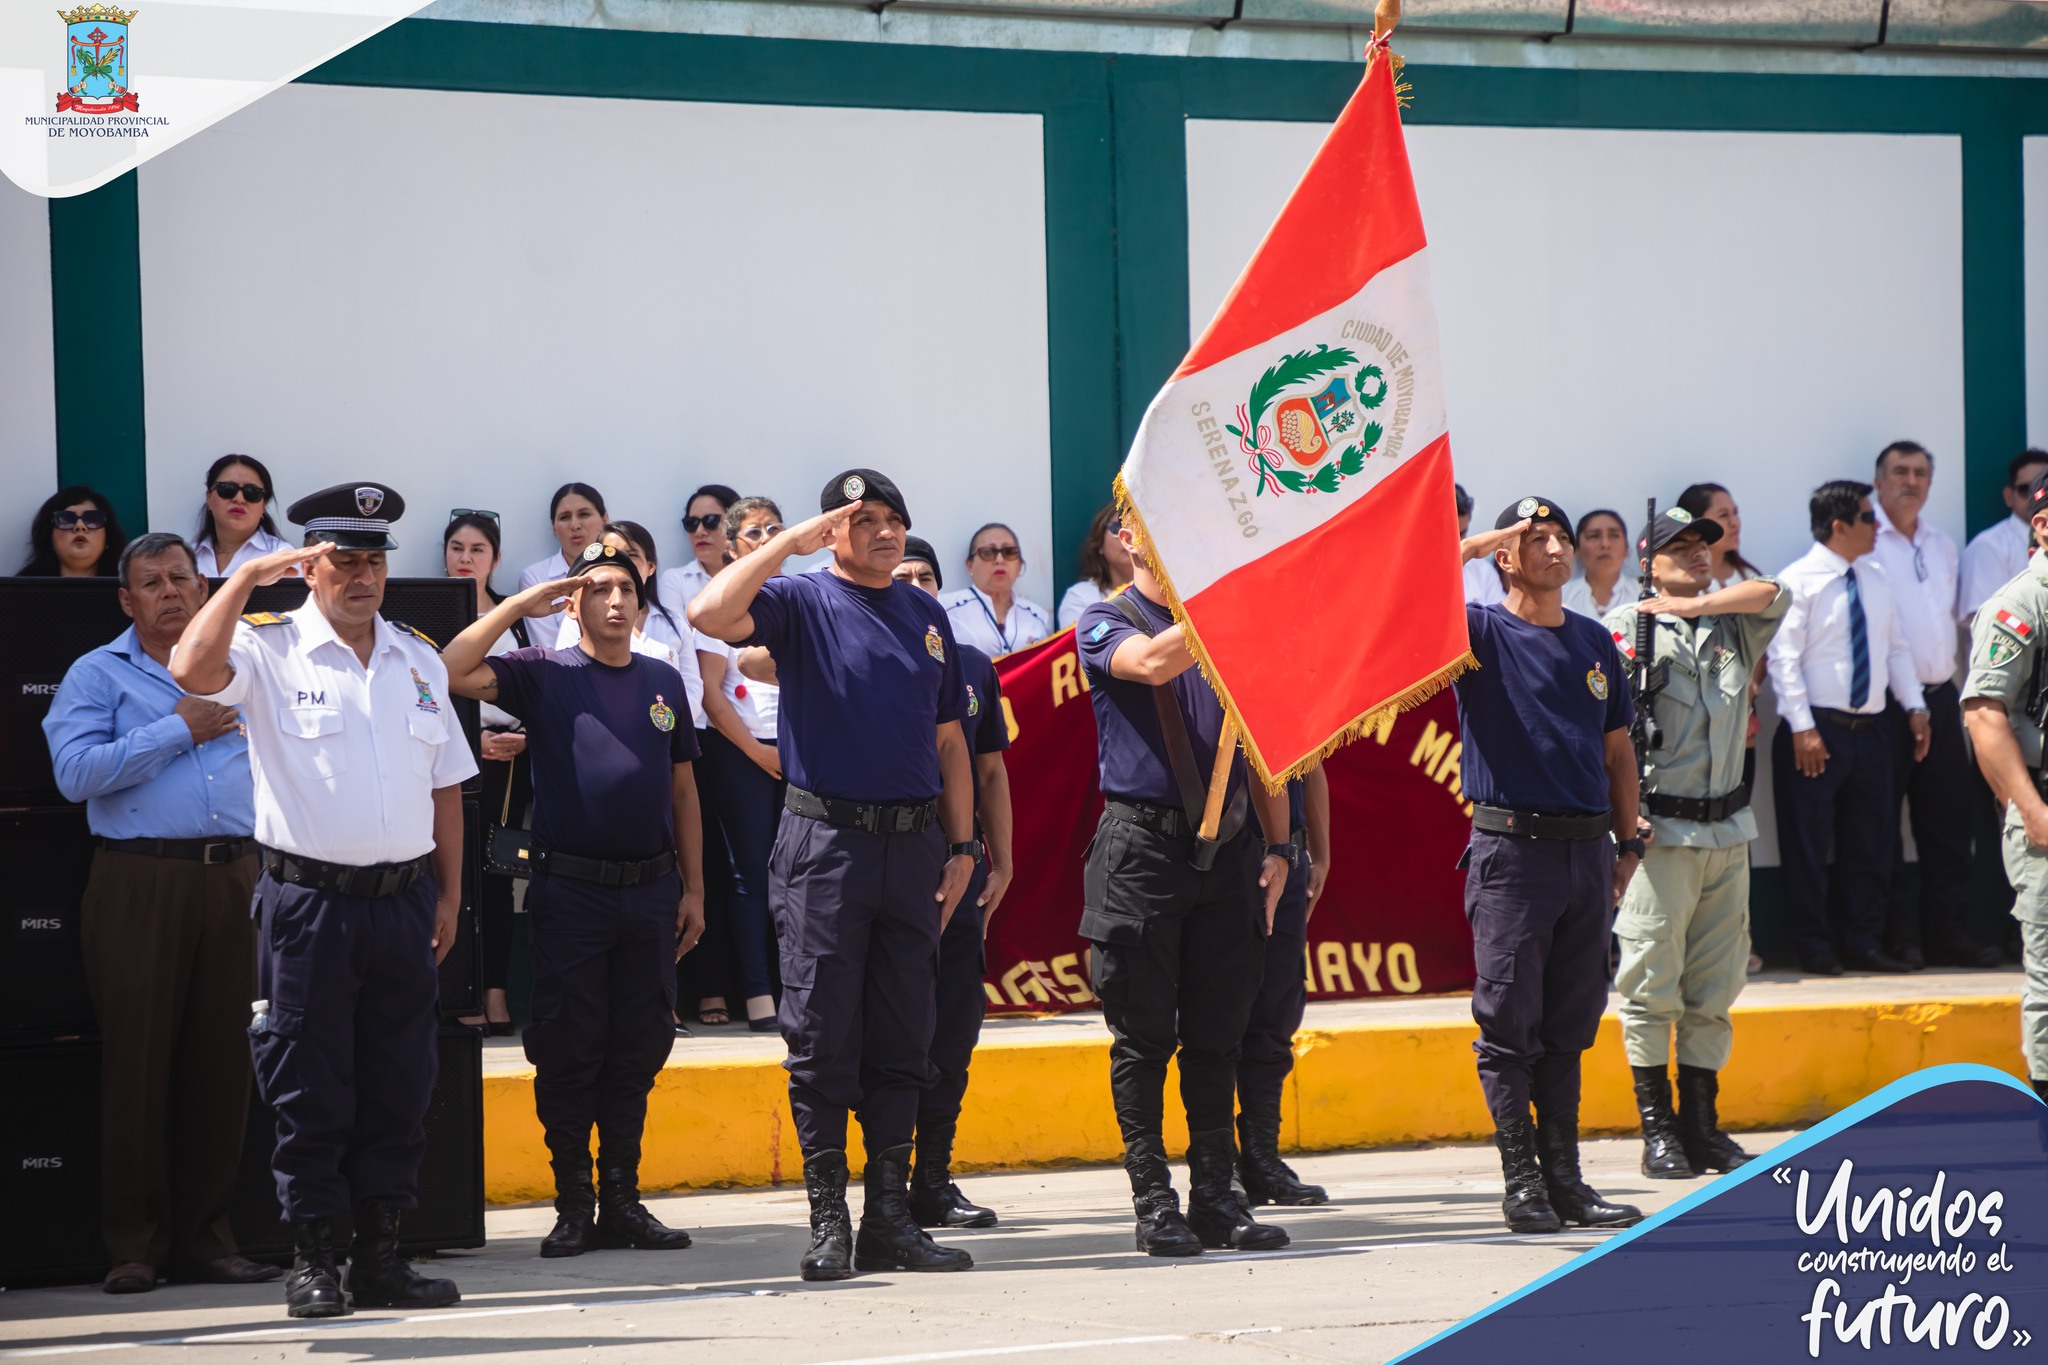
{"x":1859,"y":647}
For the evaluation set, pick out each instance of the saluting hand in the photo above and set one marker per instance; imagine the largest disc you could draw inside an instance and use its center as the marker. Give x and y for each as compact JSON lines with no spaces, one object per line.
{"x":545,"y":594}
{"x":952,"y":886}
{"x":809,"y":537}
{"x":689,"y":921}
{"x":1482,"y":545}
{"x":1273,"y":880}
{"x":278,"y":564}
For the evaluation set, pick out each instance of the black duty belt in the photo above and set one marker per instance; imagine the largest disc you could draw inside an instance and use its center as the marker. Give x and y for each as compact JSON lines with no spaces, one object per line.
{"x":600,"y":871}
{"x":1170,"y":821}
{"x":1531,"y":824}
{"x":872,"y":817}
{"x":1848,"y":720}
{"x":367,"y":883}
{"x":212,"y":852}
{"x":1703,"y":808}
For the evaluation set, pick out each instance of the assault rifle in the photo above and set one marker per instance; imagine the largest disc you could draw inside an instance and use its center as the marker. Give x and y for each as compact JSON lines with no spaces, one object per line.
{"x":1646,"y":681}
{"x":2037,"y":712}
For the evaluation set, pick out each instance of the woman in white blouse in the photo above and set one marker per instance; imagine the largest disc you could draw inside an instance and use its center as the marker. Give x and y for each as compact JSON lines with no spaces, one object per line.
{"x":989,"y":615}
{"x":1603,"y":555}
{"x":576,"y":515}
{"x":1105,"y":567}
{"x":235,"y":523}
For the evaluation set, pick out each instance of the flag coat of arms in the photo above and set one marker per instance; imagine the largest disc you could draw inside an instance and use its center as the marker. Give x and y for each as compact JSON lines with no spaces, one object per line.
{"x":1292,"y":480}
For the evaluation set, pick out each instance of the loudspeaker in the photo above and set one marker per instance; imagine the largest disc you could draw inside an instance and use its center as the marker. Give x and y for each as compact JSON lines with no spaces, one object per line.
{"x":451,"y":1186}
{"x":462,"y":990}
{"x":50,"y":1165}
{"x":43,"y":995}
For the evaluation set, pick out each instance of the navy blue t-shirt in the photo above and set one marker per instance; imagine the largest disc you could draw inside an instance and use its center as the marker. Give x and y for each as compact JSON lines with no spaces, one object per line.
{"x":868,"y":675}
{"x":988,"y":730}
{"x":1534,"y":716}
{"x":1129,"y":749}
{"x":605,"y":742}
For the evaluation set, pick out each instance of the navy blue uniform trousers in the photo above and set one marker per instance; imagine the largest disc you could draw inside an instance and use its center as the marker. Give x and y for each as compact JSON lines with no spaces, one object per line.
{"x":348,"y":1056}
{"x":1541,"y":912}
{"x":604,"y":991}
{"x":1854,"y":805}
{"x":859,"y":934}
{"x":1941,"y":800}
{"x":1283,"y":994}
{"x":961,"y":1004}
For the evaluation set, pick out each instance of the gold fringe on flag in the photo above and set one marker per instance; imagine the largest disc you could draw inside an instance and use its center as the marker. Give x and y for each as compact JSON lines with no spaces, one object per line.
{"x":1370,"y":719}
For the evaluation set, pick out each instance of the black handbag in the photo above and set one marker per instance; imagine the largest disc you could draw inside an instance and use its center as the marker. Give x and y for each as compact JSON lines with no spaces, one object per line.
{"x":508,"y":851}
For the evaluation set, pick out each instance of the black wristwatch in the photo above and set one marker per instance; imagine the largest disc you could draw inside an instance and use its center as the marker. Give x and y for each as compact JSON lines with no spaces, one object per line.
{"x":972,"y":849}
{"x":1635,"y":846}
{"x":1291,"y":852}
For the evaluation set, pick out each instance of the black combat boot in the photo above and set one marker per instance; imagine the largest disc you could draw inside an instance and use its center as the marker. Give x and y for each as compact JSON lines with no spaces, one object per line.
{"x":623,"y":1221}
{"x":1216,"y":1211}
{"x":1162,"y":1231}
{"x":1571,"y":1198}
{"x":1527,"y":1205}
{"x":1699,"y":1126}
{"x":936,"y":1202}
{"x":1267,"y":1179}
{"x":314,"y":1288}
{"x":575,"y":1212}
{"x":830,"y":1256}
{"x":888,"y":1237}
{"x":1663,"y":1154}
{"x":378,"y":1277}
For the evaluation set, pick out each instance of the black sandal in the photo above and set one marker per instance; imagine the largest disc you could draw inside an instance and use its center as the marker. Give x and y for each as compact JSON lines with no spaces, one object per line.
{"x":714,"y":1016}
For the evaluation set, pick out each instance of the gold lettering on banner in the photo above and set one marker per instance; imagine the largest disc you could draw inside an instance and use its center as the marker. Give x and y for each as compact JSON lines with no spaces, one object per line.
{"x":1437,"y":754}
{"x":1216,"y":446}
{"x":1330,"y":958}
{"x":995,"y":997}
{"x":1429,"y":750}
{"x":1069,"y":679}
{"x":1327,"y":968}
{"x":1010,"y":720}
{"x":1401,"y":969}
{"x":1065,"y":970}
{"x":1022,"y":985}
{"x":1368,"y":964}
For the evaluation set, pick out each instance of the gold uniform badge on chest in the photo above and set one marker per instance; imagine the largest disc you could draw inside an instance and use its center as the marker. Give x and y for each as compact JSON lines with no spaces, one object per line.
{"x":663,"y":716}
{"x":934,"y":643}
{"x":1596,"y":682}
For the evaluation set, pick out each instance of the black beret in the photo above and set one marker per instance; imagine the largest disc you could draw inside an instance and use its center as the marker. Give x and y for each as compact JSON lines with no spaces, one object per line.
{"x":355,"y":516}
{"x":920,"y":549}
{"x":598,"y":555}
{"x":1534,"y":510}
{"x":863,"y":485}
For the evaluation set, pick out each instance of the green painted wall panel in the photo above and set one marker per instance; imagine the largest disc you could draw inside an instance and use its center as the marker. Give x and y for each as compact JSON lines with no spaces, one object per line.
{"x":96,"y":341}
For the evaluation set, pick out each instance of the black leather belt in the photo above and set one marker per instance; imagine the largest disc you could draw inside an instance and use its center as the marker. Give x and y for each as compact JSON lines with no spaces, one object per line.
{"x":212,"y":852}
{"x":367,"y":883}
{"x":602,"y":872}
{"x":1848,"y":720}
{"x":1531,"y":824}
{"x":874,"y":818}
{"x":1703,"y":808}
{"x":1170,"y":821}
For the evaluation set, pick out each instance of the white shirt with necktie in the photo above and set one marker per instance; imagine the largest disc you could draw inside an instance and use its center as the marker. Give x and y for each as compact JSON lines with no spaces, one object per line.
{"x":1812,"y":657}
{"x":1921,"y":573}
{"x":1994,"y":557}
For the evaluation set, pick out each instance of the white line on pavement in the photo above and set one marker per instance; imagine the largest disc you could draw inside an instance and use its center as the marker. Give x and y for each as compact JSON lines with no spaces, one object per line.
{"x":984,"y":1351}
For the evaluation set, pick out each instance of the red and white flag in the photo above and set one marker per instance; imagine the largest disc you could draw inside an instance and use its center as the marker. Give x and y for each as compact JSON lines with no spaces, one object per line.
{"x":1293,"y":478}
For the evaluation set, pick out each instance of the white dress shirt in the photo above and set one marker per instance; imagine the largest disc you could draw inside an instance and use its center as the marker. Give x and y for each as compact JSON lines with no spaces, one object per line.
{"x":1921,"y":573}
{"x":1482,"y":582}
{"x":346,"y":759}
{"x":973,"y":614}
{"x":1811,"y":656}
{"x":678,"y":587}
{"x":543,"y":630}
{"x":1578,"y":597}
{"x":660,"y":638}
{"x":756,"y":703}
{"x":1994,"y":557}
{"x":1078,"y":599}
{"x":255,"y":547}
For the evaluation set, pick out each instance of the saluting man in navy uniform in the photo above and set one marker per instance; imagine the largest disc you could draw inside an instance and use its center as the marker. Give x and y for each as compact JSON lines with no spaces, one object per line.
{"x":358,"y":766}
{"x":875,"y":856}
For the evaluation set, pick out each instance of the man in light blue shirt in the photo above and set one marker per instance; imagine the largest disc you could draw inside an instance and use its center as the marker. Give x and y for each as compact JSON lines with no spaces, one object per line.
{"x":169,"y":949}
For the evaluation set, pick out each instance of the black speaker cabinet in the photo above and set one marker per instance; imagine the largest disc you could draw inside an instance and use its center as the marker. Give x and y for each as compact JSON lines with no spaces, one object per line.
{"x":451,"y":1193}
{"x":50,"y":1164}
{"x":47,"y":855}
{"x":462,"y":970}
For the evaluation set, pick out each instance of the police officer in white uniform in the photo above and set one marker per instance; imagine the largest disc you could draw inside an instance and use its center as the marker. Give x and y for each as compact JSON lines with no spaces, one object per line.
{"x":358,"y":765}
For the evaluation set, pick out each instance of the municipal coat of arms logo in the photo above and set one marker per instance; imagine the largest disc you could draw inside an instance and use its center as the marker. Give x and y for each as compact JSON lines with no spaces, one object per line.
{"x":96,"y":61}
{"x":1320,"y":431}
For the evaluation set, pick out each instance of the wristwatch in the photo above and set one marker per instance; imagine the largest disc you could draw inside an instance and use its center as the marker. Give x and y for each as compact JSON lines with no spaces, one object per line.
{"x":1635,"y":846}
{"x":970,"y":849}
{"x":1291,"y":852}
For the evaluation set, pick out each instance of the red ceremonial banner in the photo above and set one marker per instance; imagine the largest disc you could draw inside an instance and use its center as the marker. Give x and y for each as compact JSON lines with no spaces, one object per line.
{"x":1390,"y":922}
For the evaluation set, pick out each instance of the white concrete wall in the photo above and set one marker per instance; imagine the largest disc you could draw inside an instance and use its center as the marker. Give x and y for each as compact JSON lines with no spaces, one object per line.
{"x":28,"y":406}
{"x":476,"y":298}
{"x":2036,"y":191}
{"x":1625,"y":313}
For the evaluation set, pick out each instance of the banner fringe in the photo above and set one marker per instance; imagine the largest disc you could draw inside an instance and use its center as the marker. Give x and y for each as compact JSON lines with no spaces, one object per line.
{"x":1371,"y":718}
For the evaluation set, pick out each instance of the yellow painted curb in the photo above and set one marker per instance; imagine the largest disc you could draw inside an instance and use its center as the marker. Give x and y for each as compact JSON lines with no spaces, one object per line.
{"x":1045,"y":1102}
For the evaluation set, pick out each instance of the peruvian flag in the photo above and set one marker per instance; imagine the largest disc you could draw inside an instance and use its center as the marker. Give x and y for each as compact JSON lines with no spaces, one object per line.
{"x":1293,"y":478}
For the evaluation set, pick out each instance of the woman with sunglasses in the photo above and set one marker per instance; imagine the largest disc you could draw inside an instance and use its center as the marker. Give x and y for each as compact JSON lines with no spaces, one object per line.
{"x":988,"y":614}
{"x":75,"y":535}
{"x":235,"y":524}
{"x":470,"y":549}
{"x":704,"y":524}
{"x":744,"y":776}
{"x":576,"y":515}
{"x":1105,"y":567}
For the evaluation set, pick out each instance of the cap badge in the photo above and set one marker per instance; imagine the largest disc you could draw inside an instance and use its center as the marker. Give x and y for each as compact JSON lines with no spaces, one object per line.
{"x":934,"y":643}
{"x":426,"y":700}
{"x":368,"y":500}
{"x":1526,"y":507}
{"x":1678,"y":514}
{"x":853,"y":487}
{"x":1596,"y":683}
{"x":1542,"y":509}
{"x":595,"y":550}
{"x":663,"y":716}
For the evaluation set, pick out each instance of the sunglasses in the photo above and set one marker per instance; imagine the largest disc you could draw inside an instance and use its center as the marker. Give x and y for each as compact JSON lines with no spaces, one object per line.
{"x":760,"y":533}
{"x":251,"y":492}
{"x":989,"y":554}
{"x":1867,"y":518}
{"x":710,"y":523}
{"x":68,"y":520}
{"x":455,"y":512}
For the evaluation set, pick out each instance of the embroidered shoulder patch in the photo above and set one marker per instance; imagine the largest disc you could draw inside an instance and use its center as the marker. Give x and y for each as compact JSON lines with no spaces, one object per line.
{"x":1101,"y":629}
{"x":266,"y":618}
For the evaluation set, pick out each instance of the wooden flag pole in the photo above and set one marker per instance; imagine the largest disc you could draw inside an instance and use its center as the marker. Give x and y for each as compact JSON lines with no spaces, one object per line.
{"x":1219,"y":782}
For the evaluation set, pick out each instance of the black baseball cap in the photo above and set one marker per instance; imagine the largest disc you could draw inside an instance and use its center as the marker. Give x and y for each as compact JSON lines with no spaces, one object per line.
{"x":597,"y":555}
{"x":355,"y":516}
{"x":920,"y":549}
{"x":1673,"y":522}
{"x":1533,"y":510}
{"x":863,"y":485}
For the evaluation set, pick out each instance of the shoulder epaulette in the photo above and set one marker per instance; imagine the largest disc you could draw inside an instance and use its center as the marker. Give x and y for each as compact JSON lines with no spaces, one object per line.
{"x":417,"y":634}
{"x":267,"y":618}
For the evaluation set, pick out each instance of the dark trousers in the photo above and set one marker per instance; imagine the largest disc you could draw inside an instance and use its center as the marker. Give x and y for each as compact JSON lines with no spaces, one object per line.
{"x":1541,"y":912}
{"x":494,"y":905}
{"x":349,"y":1056}
{"x":603,"y":996}
{"x":1178,"y":959}
{"x":1941,"y":802}
{"x":1853,"y":804}
{"x":961,"y":1004}
{"x":749,"y":813}
{"x":171,"y":959}
{"x":859,"y":933}
{"x":1283,"y":994}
